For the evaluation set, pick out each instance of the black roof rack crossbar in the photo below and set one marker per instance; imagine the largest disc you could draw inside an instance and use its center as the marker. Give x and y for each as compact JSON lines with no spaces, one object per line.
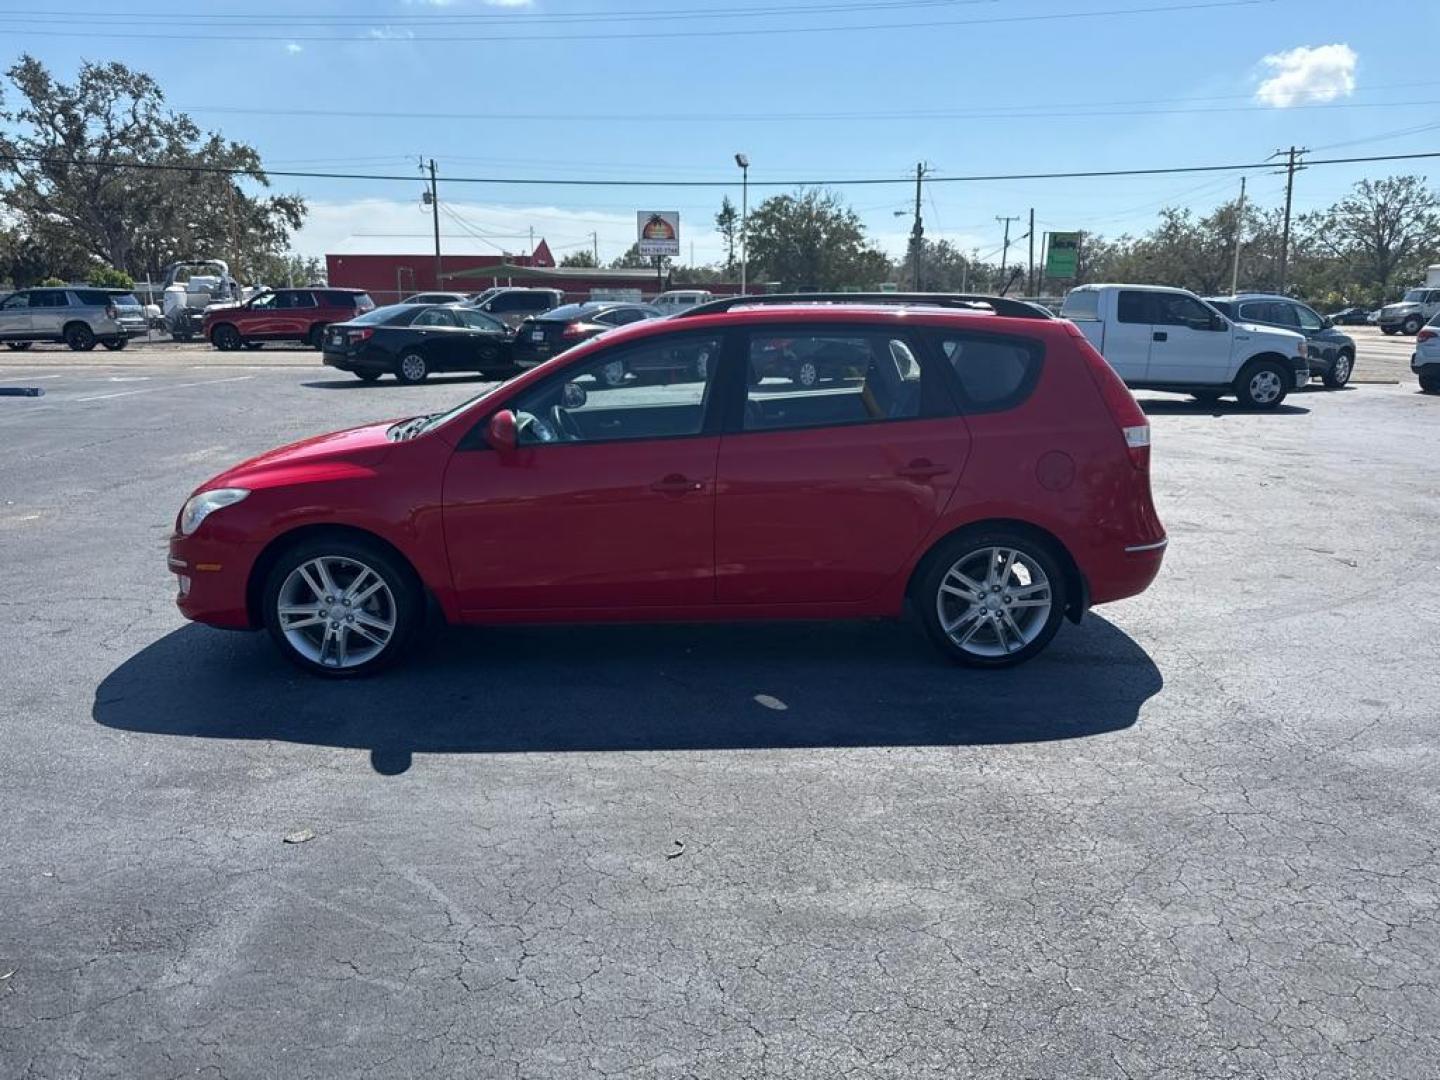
{"x":1000,"y":305}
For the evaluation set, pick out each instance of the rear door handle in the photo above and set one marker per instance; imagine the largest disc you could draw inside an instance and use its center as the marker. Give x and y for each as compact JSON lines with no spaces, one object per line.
{"x":1160,"y":335}
{"x":922,"y":469}
{"x":675,"y":484}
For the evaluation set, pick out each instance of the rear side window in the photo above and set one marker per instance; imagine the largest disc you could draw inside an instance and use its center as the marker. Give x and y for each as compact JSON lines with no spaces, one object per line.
{"x":1134,"y":307}
{"x":522,"y":301}
{"x":994,"y":372}
{"x":1081,"y":304}
{"x":50,"y":298}
{"x":434,"y":317}
{"x":93,"y":297}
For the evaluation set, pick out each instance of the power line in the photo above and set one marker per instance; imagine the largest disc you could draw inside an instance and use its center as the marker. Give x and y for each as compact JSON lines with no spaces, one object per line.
{"x":376,"y":37}
{"x":1086,"y":174}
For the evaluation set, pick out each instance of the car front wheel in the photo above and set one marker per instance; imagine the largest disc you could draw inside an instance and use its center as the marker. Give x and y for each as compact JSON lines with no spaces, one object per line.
{"x":1262,"y":385}
{"x":1339,"y":373}
{"x":339,"y":607}
{"x":1412,"y":326}
{"x":992,"y":598}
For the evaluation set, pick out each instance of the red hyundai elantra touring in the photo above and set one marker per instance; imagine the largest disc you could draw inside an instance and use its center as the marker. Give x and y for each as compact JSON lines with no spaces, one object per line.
{"x":990,"y":469}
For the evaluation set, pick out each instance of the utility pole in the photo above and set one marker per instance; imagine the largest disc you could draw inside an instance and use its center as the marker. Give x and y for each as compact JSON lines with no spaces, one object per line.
{"x":1239,"y":230}
{"x":917,"y":232}
{"x":1030,"y":276}
{"x":1292,"y":166}
{"x":1005,"y":252}
{"x":595,"y":247}
{"x":435,"y":219}
{"x":532,"y":245}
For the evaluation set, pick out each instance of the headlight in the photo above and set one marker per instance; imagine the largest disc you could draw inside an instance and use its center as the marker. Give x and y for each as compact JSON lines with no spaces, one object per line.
{"x":206,"y":503}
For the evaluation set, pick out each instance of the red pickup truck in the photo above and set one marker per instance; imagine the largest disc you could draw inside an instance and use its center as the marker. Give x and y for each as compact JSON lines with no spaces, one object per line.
{"x":284,"y":315}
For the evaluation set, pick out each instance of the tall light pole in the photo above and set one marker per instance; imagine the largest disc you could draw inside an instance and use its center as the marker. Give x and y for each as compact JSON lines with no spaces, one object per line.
{"x":744,"y":163}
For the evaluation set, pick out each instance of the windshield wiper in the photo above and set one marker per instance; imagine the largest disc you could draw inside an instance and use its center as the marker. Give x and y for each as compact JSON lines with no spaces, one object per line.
{"x":408,"y":429}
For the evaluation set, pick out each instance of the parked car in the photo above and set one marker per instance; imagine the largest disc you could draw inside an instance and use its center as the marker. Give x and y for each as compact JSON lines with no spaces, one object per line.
{"x":807,"y":362}
{"x":990,"y":472}
{"x":1350,"y":316}
{"x":283,"y":315}
{"x":1426,"y":361}
{"x":1332,"y":354}
{"x":542,"y":336}
{"x":79,"y":316}
{"x":437,"y":298}
{"x":1411,"y":312}
{"x":1158,"y":338}
{"x":411,"y":341}
{"x":673,"y":300}
{"x":514,"y":306}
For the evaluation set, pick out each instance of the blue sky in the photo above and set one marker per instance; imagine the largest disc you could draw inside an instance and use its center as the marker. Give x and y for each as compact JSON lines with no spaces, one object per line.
{"x":810,"y":89}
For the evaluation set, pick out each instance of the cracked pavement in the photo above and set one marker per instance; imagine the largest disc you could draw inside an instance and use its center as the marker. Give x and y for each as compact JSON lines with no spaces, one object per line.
{"x":1197,"y":838}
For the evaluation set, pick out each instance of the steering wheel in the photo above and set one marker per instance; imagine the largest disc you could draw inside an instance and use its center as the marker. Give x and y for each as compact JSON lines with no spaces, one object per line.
{"x":536,"y":429}
{"x":565,"y":424}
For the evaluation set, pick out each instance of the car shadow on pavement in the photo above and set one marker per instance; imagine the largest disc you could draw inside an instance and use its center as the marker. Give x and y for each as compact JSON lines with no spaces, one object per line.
{"x":387,"y":382}
{"x":675,"y":687}
{"x":1182,"y":407}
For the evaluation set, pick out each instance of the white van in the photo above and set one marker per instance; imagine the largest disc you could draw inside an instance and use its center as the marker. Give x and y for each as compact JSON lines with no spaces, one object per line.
{"x":680,"y":299}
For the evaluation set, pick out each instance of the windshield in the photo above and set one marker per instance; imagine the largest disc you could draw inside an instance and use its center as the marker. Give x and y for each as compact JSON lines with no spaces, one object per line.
{"x":1414,"y":296}
{"x":571,"y":311}
{"x":434,"y":420}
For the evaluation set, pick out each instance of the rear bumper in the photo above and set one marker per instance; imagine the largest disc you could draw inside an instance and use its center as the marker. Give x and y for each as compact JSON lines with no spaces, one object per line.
{"x":1127,"y":572}
{"x":212,"y":580}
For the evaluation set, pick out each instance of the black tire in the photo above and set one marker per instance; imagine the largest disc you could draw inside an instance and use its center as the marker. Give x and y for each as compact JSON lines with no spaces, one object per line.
{"x":987,"y":642}
{"x":226,"y":338}
{"x":412,"y":368}
{"x":19,"y":346}
{"x":117,"y":344}
{"x":1209,"y":397}
{"x":1430,"y":384}
{"x":316,"y":337}
{"x":367,"y":376}
{"x":806,"y":373}
{"x":1340,"y":372}
{"x":1411,"y":326}
{"x":1254,"y":388}
{"x":79,"y":337}
{"x":404,"y":606}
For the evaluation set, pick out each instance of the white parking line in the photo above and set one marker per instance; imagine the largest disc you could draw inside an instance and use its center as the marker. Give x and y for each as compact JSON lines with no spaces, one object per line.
{"x":158,"y":389}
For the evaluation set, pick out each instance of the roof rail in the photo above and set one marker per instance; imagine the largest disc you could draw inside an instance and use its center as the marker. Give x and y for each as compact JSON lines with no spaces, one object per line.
{"x":999,"y":305}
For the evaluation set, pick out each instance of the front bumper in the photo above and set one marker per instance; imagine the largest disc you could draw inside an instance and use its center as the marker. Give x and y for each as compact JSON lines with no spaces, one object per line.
{"x":1300,"y":368}
{"x":1424,"y":365}
{"x":213,"y":579}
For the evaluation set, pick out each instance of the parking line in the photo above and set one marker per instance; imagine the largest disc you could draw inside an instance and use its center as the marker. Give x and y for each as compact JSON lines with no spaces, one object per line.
{"x":157,"y":389}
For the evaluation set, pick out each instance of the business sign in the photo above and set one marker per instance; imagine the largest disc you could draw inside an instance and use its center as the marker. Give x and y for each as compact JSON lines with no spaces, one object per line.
{"x":659,"y":233}
{"x":1064,"y":258}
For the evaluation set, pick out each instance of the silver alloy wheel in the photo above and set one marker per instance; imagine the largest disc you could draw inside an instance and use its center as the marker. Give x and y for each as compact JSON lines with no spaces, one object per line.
{"x":336,"y":612}
{"x":994,"y":601}
{"x":613,"y":373}
{"x":1340,"y":373}
{"x":412,"y":367}
{"x":1265,"y":387}
{"x":808,"y":374}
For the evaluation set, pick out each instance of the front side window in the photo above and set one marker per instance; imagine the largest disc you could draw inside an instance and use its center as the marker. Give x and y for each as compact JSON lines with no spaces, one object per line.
{"x":1134,"y":307}
{"x":1306,"y":318}
{"x":994,"y":372}
{"x":19,"y":302}
{"x":1177,"y":309}
{"x":1415,"y":296}
{"x":477,"y":320}
{"x":267,"y":302}
{"x":651,"y":390}
{"x":799,"y":380}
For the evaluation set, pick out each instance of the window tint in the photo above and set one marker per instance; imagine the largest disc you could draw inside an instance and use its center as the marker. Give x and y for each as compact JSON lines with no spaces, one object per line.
{"x":18,"y":302}
{"x":49,"y":298}
{"x":614,"y":395}
{"x":522,"y":301}
{"x":1308,"y":319}
{"x":1177,"y":309}
{"x":1081,"y":304}
{"x":95,"y":298}
{"x":476,"y":320}
{"x":1256,"y":311}
{"x":994,"y":372}
{"x":823,"y":379}
{"x":1225,"y":307}
{"x":124,"y":299}
{"x":434,"y":317}
{"x":303,"y":300}
{"x":1134,"y":307}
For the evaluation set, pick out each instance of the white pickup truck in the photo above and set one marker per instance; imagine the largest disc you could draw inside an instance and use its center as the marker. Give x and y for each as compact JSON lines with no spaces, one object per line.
{"x":1158,"y":338}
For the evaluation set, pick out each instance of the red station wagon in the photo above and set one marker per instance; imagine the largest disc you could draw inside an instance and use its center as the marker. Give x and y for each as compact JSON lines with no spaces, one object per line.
{"x":983,"y":465}
{"x":283,"y":315}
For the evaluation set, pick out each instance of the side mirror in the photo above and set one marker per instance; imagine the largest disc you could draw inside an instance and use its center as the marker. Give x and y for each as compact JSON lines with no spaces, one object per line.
{"x":573,"y":396}
{"x":1327,"y":323}
{"x":502,"y":434}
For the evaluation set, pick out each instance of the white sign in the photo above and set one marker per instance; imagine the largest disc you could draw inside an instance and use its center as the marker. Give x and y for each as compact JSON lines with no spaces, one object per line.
{"x":659,"y":232}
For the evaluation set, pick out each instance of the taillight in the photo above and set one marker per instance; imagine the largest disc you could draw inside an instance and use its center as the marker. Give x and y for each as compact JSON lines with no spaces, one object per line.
{"x":1124,"y":409}
{"x":112,"y":312}
{"x":1426,"y":335}
{"x":360,"y":335}
{"x":579,"y":329}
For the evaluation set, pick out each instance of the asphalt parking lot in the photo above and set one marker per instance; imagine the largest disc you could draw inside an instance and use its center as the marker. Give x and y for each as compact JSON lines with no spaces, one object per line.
{"x":1197,"y":837}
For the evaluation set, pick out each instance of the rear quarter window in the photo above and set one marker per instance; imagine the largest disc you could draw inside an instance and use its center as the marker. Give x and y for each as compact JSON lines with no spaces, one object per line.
{"x":992,"y":372}
{"x":1081,"y":304}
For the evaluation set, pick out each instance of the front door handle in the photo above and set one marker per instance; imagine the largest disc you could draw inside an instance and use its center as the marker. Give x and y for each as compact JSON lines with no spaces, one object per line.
{"x":1159,"y":335}
{"x":676,"y":484}
{"x":922,"y":469}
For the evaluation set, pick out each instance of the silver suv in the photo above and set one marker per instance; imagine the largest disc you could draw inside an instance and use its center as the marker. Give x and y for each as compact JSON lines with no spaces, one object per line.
{"x":77,"y":315}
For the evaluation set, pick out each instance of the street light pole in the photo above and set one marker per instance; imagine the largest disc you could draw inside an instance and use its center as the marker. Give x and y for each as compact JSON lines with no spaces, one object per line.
{"x":744,"y":163}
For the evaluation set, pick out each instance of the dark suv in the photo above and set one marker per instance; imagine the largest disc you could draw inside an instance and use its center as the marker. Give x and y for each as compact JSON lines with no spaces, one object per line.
{"x":1332,"y":354}
{"x":284,"y":315}
{"x":81,"y":317}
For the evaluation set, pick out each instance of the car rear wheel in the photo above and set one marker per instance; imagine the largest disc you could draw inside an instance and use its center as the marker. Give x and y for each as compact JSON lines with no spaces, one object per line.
{"x":226,"y":338}
{"x":1430,"y":384}
{"x":992,"y":598}
{"x":79,"y":337}
{"x":1412,"y":325}
{"x":339,"y":607}
{"x":19,"y":346}
{"x":1262,"y":385}
{"x":1339,"y":373}
{"x":412,"y":368}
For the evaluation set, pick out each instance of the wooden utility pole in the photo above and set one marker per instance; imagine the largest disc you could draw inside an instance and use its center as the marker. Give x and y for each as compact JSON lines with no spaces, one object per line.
{"x":917,"y":232}
{"x":1005,"y":251}
{"x":1292,"y":166}
{"x":1239,"y":232}
{"x":435,"y":219}
{"x":595,"y":247}
{"x":1030,"y":277}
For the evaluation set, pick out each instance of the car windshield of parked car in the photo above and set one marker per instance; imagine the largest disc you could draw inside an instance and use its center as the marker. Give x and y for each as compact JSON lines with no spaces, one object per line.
{"x":1415,"y":296}
{"x":1435,"y":321}
{"x":13,"y":303}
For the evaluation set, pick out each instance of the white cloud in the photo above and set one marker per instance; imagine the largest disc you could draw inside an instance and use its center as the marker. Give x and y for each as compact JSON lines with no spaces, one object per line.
{"x":1308,"y":74}
{"x":294,"y":48}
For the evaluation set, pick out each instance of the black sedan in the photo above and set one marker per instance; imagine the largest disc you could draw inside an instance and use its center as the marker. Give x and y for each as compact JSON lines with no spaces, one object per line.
{"x":410,"y":341}
{"x":1351,"y":316}
{"x":542,"y":336}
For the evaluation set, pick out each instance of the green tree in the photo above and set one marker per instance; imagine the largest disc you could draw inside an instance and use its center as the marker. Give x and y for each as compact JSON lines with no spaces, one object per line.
{"x":812,"y":240}
{"x":277,"y":270}
{"x":107,"y":277}
{"x":631,"y":260}
{"x":582,"y":258}
{"x":1379,"y":236}
{"x":727,"y":224}
{"x":80,"y":164}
